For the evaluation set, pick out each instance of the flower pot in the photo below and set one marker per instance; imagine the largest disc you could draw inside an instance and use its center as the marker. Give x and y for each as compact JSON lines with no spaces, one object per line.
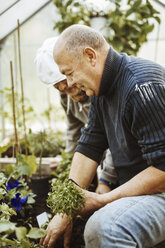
{"x":40,"y":184}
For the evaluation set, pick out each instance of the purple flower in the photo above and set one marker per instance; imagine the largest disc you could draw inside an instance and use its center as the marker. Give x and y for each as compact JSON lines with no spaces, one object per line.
{"x":12,"y":184}
{"x":18,"y":202}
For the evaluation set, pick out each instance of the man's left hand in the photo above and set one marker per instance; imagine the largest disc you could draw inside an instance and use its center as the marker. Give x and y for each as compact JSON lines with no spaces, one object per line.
{"x":59,"y":225}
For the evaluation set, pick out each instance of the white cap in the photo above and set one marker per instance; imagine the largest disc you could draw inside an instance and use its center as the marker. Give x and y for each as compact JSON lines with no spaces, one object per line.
{"x":47,"y":69}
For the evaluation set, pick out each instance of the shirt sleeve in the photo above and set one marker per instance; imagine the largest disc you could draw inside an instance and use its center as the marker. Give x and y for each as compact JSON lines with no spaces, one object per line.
{"x":93,"y":141}
{"x":148,"y":122}
{"x":74,"y":125}
{"x":108,"y":172}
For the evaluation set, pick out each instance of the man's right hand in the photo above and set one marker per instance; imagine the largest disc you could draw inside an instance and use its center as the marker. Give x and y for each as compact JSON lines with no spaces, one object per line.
{"x":102,"y":188}
{"x":59,"y":225}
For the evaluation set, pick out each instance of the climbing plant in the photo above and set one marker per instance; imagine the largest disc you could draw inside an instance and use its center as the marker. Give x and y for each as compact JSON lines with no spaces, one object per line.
{"x":127,"y":24}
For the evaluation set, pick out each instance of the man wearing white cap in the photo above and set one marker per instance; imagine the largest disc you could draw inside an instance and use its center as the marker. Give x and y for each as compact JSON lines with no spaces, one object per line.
{"x":77,"y":110}
{"x":76,"y":105}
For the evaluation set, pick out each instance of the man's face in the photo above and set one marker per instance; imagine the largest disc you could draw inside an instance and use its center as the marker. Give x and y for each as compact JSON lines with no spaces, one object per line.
{"x":81,"y":74}
{"x":76,"y":94}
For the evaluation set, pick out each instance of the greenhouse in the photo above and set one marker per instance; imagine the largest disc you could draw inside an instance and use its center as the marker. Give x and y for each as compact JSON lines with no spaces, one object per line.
{"x":82,"y":120}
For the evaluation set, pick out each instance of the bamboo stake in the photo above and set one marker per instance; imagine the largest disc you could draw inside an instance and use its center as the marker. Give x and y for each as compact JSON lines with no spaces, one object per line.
{"x":14,"y":116}
{"x":15,"y":69}
{"x":15,"y":63}
{"x":22,"y":89}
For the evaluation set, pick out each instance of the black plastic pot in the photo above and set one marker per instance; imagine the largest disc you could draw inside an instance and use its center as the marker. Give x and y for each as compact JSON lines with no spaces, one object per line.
{"x":40,"y":184}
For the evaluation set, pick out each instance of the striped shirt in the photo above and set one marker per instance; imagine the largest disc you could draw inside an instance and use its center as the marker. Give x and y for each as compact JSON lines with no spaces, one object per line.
{"x":128,"y":116}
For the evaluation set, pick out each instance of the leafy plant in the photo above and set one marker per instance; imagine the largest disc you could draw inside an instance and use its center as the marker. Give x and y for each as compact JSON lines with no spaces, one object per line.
{"x":63,"y":169}
{"x":126,"y":28}
{"x":49,"y":144}
{"x":7,"y":112}
{"x":15,"y":192}
{"x":70,"y":12}
{"x":41,"y":144}
{"x":15,"y":201}
{"x":131,"y":25}
{"x":26,"y":164}
{"x":65,"y":198}
{"x":21,"y":236}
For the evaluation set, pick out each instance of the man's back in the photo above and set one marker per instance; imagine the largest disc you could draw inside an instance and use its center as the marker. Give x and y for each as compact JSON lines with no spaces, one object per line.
{"x":130,"y":113}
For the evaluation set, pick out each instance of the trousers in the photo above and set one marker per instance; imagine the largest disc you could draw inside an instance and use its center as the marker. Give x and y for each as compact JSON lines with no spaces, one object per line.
{"x":128,"y":223}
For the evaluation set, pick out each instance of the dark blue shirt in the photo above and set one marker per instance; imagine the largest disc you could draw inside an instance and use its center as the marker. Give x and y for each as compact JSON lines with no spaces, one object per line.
{"x":128,"y":116}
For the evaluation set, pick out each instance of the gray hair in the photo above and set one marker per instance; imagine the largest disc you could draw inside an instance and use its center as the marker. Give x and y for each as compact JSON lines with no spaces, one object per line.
{"x":80,"y":36}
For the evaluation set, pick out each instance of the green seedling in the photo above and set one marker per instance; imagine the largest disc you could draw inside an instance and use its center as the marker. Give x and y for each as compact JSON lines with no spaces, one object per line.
{"x":65,"y":198}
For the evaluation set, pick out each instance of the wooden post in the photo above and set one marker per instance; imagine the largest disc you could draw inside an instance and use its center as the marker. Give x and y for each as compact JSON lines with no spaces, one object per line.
{"x":22,"y":90}
{"x":14,"y":115}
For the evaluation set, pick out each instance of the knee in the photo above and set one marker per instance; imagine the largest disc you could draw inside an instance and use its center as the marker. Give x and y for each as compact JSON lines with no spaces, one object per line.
{"x":93,"y":229}
{"x":102,"y":230}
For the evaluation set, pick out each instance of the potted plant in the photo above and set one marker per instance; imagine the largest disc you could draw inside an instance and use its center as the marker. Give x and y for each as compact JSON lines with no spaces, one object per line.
{"x":16,"y":203}
{"x":44,"y":144}
{"x":40,"y":180}
{"x":41,"y":144}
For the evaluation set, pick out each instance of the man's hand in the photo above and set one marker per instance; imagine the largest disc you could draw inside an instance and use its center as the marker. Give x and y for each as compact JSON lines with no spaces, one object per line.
{"x":102,"y":188}
{"x":59,"y":225}
{"x":62,"y":224}
{"x":92,"y":202}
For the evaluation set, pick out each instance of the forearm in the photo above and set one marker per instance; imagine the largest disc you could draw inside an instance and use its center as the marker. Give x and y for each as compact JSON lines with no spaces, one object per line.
{"x":83,"y":170}
{"x":149,"y":181}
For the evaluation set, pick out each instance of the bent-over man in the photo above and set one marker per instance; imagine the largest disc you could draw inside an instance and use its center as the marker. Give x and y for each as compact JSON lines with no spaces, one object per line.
{"x":127,"y":115}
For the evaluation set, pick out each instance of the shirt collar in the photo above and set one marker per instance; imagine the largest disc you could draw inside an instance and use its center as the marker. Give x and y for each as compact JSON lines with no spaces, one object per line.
{"x":110,"y":71}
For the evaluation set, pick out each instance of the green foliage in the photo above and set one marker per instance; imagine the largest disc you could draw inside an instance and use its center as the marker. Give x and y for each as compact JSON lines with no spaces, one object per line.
{"x":6,"y":212}
{"x":8,"y":170}
{"x":26,"y":164}
{"x":9,"y":188}
{"x":22,"y":236}
{"x":12,"y":235}
{"x":63,"y":169}
{"x":41,"y":144}
{"x":53,"y":114}
{"x":7,"y":226}
{"x":65,"y":198}
{"x":7,"y":111}
{"x":35,"y":233}
{"x":131,"y":26}
{"x":126,"y":29}
{"x":68,"y":16}
{"x":48,"y":144}
{"x":5,"y":147}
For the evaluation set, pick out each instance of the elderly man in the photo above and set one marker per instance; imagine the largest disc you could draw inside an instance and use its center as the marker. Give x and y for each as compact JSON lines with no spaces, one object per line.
{"x":76,"y":106}
{"x":127,"y":114}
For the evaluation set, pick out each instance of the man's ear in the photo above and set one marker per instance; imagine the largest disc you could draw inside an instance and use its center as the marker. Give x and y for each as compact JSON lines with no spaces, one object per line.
{"x":90,"y":55}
